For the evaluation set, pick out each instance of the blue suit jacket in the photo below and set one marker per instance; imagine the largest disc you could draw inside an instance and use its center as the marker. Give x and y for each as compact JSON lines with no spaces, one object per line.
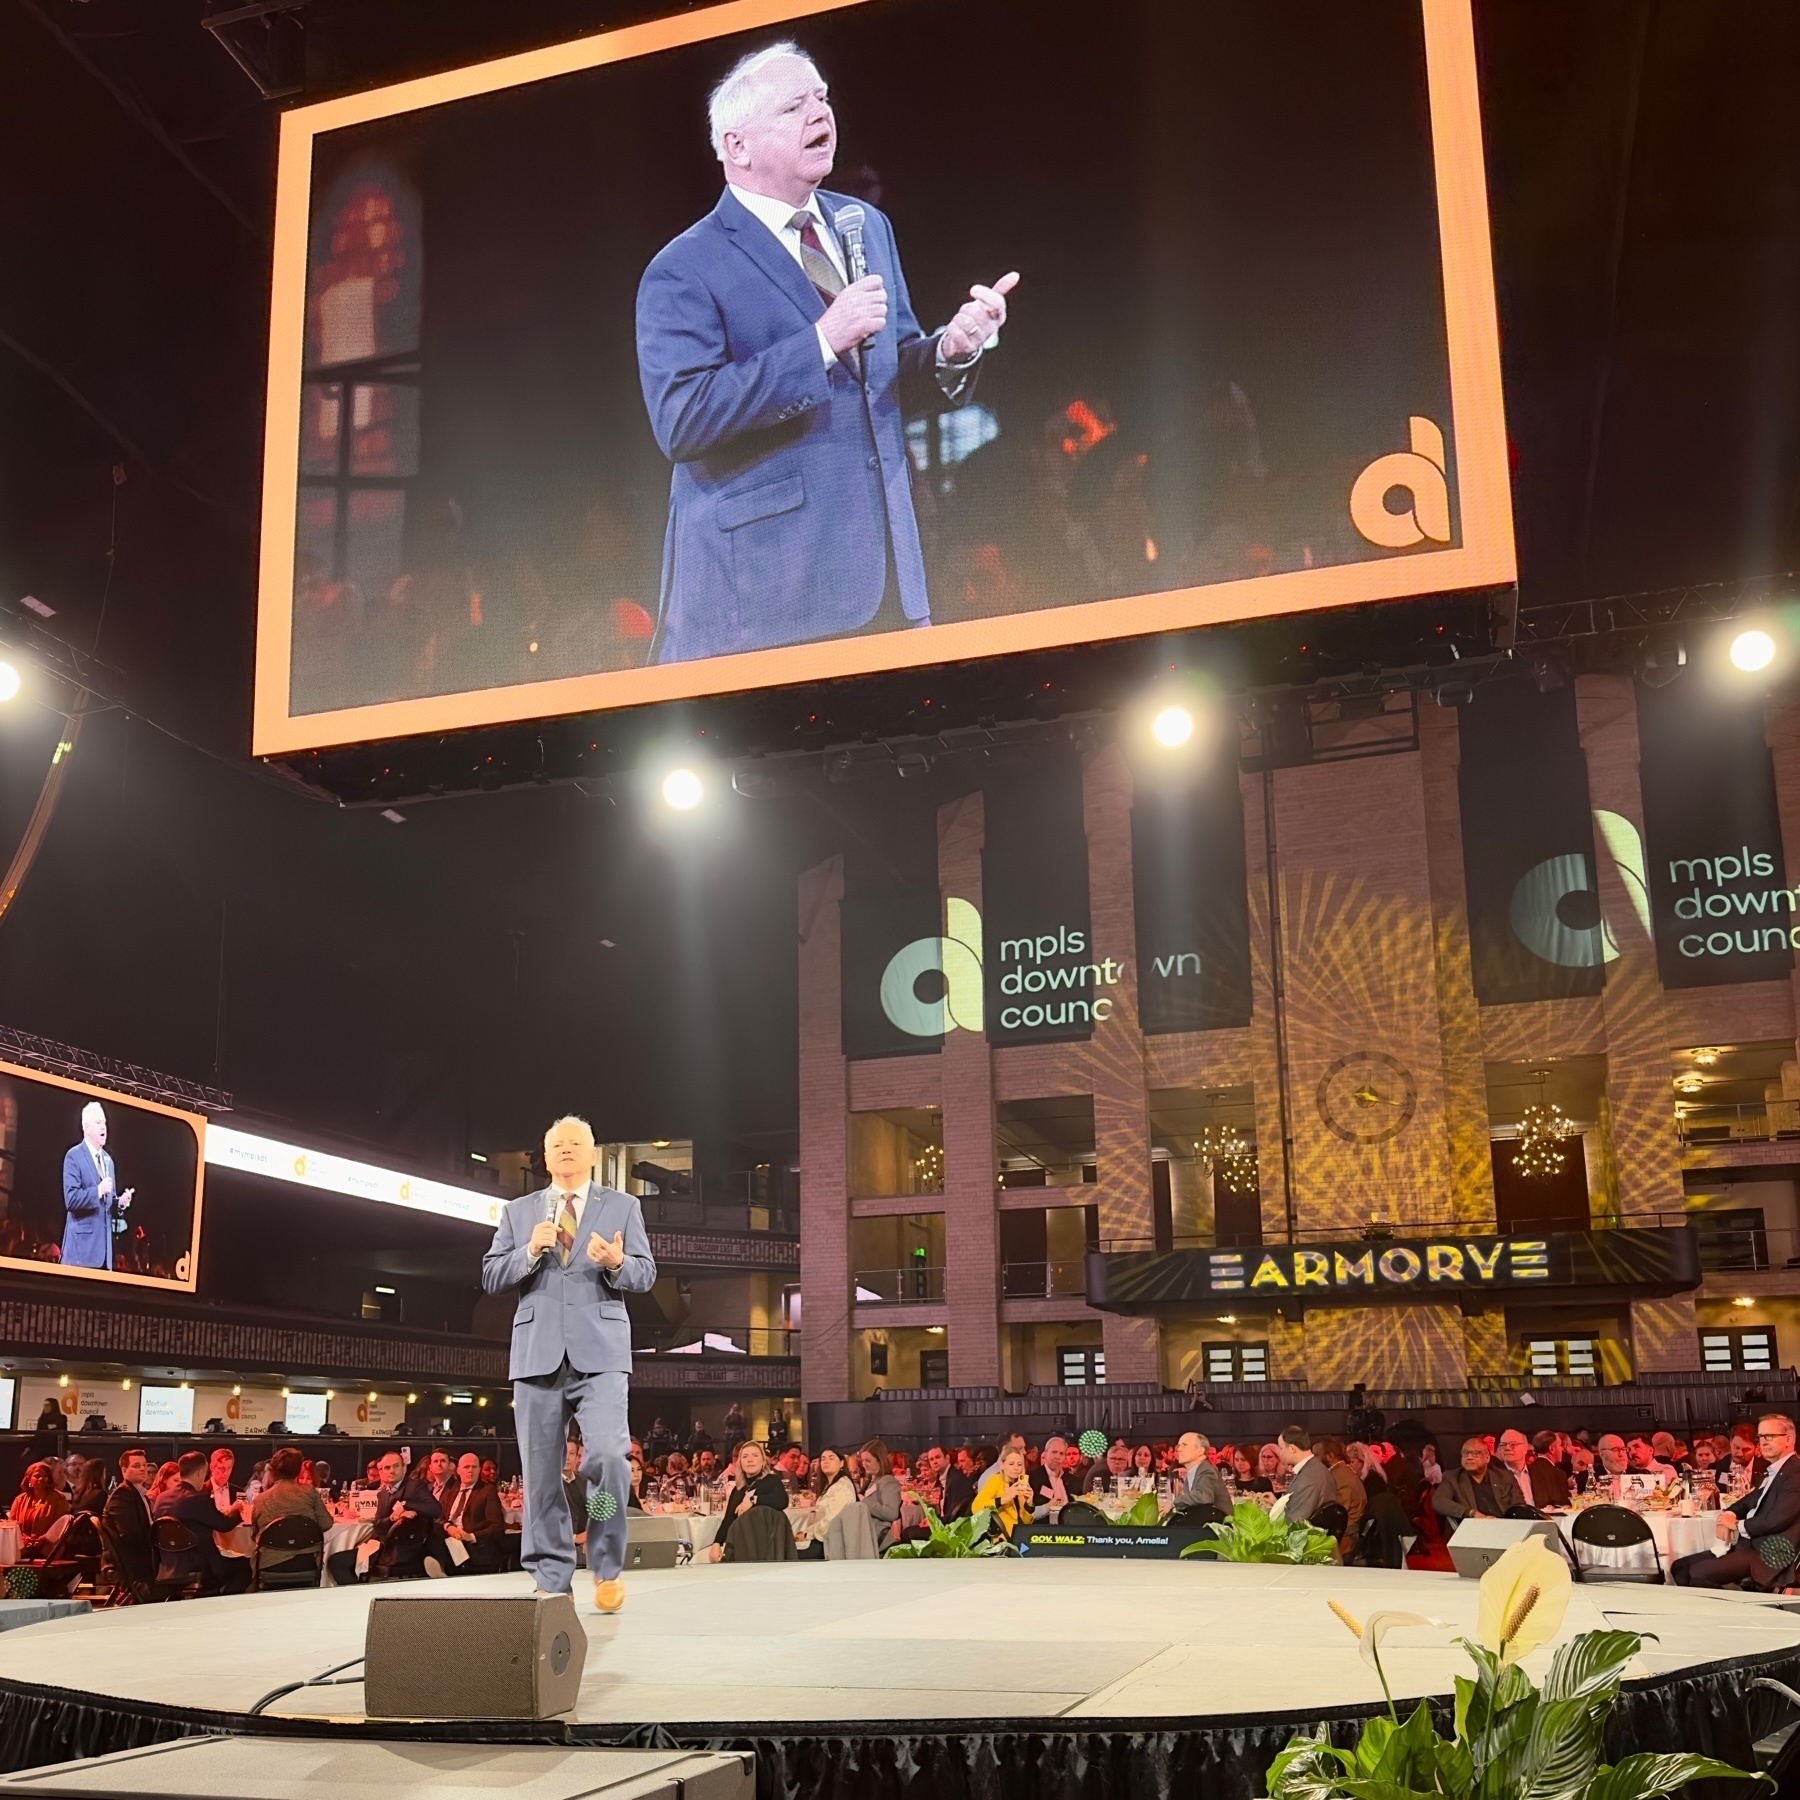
{"x":575,"y":1312}
{"x":791,"y":480}
{"x":87,"y":1241}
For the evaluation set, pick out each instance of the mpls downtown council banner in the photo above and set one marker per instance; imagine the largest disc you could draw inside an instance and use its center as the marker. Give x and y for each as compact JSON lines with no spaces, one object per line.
{"x":1719,"y":897}
{"x":1026,"y":966}
{"x":1535,"y":931}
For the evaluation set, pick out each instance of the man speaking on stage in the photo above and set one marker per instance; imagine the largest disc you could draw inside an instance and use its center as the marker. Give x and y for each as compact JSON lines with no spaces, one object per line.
{"x":572,"y":1250}
{"x":780,"y":360}
{"x":94,"y":1206}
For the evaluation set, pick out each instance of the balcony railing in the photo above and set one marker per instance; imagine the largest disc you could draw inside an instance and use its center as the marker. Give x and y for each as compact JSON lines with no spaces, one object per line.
{"x":680,"y":1212}
{"x":1043,"y":1280}
{"x":1759,"y":1123}
{"x":728,"y":1340}
{"x":914,"y":1285}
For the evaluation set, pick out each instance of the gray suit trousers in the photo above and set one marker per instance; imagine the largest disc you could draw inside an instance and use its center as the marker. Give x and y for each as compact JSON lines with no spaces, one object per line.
{"x":542,"y":1408}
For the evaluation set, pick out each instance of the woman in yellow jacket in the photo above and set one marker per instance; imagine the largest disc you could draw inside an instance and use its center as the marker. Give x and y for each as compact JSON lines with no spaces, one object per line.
{"x":1006,"y":1493}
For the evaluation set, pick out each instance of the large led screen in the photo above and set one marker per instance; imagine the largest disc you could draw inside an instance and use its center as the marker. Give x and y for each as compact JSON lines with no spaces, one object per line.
{"x":600,"y":375}
{"x":97,"y":1184}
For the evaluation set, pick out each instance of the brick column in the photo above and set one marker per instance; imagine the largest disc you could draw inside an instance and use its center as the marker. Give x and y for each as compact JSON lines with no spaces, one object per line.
{"x":1357,"y":953}
{"x":971,"y":1211}
{"x":1665,"y":1334}
{"x":1465,"y":1067}
{"x":1116,"y":1054}
{"x":1640,"y":1098}
{"x":825,"y":1295}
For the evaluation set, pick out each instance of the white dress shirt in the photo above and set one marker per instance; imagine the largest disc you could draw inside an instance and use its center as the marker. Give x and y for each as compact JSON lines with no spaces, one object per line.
{"x":778,"y":216}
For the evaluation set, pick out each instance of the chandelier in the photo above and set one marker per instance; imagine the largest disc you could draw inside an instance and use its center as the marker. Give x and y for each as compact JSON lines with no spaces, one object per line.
{"x":1538,"y":1152}
{"x":928,"y":1169}
{"x":1225,"y":1152}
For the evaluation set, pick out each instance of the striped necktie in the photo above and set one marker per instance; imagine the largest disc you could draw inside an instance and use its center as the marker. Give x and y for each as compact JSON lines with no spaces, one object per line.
{"x":565,"y":1229}
{"x":821,"y":271}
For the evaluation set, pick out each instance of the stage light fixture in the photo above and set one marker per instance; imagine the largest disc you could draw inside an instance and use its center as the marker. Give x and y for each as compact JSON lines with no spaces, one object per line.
{"x":1172,"y":727}
{"x":9,"y":682}
{"x":1752,"y":651}
{"x":683,"y":789}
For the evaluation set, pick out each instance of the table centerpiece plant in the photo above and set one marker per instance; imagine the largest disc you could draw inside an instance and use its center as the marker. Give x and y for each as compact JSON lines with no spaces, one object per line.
{"x":1251,"y":1535}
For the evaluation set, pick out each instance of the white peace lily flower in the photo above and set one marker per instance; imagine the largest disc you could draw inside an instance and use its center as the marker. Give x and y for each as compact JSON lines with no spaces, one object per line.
{"x":1523,"y":1598}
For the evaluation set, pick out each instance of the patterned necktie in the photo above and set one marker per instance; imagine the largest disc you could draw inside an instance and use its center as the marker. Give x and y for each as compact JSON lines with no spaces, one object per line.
{"x":565,"y":1229}
{"x":821,"y":271}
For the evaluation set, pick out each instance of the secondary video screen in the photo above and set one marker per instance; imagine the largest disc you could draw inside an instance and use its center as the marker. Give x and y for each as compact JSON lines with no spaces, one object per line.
{"x":777,"y":343}
{"x":95,"y":1184}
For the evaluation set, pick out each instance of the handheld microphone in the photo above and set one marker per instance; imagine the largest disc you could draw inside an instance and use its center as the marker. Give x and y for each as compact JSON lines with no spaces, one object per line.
{"x":848,"y":221}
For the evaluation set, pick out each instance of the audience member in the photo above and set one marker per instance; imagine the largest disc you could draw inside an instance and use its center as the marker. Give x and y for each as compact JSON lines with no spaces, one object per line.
{"x":190,"y":1503}
{"x":1480,"y":1489}
{"x":287,"y":1496}
{"x":757,"y":1484}
{"x":836,"y":1491}
{"x":1309,"y":1482}
{"x":1113,"y":1467}
{"x":405,"y":1511}
{"x":1051,"y":1489}
{"x":473,"y":1518}
{"x":1347,"y":1489}
{"x":1610,"y":1458}
{"x":1759,"y":1530}
{"x":959,"y":1484}
{"x":881,"y":1492}
{"x":1200,"y":1481}
{"x":1006,"y":1493}
{"x":89,"y":1493}
{"x":1540,"y":1477}
{"x":37,"y":1506}
{"x":1747,"y":1462}
{"x":1641,"y":1459}
{"x":126,"y":1527}
{"x":1249,"y":1478}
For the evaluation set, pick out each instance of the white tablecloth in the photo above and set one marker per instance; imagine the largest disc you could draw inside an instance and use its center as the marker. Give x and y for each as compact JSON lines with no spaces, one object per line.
{"x":697,"y":1530}
{"x":343,"y":1537}
{"x":1675,"y":1536}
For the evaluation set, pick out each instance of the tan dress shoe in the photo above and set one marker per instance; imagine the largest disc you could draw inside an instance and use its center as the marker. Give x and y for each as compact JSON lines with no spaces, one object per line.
{"x":609,"y":1596}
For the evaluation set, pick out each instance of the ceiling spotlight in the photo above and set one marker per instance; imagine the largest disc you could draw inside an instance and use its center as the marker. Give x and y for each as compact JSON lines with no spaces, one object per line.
{"x":1172,"y":727}
{"x":682,"y":789}
{"x":9,"y":682}
{"x":1750,"y":651}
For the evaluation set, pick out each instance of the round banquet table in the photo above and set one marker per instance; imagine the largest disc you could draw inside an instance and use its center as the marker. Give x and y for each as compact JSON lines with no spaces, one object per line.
{"x":343,"y":1536}
{"x":1674,"y":1534}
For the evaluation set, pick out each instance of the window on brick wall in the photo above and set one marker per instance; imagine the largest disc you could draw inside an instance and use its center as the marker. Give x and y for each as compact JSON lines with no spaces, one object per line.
{"x":1552,"y":1357}
{"x":1744,"y":1347}
{"x":1081,"y":1365}
{"x":1235,"y":1362}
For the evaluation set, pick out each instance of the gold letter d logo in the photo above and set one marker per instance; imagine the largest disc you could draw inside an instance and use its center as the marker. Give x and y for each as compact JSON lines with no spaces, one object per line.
{"x":1420,"y":472}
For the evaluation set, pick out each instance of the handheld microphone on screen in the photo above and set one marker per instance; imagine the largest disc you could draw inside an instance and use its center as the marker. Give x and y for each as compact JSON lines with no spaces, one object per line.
{"x":849,"y":223}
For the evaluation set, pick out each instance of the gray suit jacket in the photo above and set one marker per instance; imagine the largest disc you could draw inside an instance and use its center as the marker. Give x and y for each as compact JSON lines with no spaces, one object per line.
{"x":1204,"y":1486}
{"x":1309,"y":1488}
{"x":577,"y":1312}
{"x":1454,"y":1496}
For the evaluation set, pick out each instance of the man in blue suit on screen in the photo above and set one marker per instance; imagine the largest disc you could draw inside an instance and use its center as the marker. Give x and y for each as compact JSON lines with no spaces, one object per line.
{"x":779,"y":377}
{"x":91,"y":1197}
{"x":573,"y":1250}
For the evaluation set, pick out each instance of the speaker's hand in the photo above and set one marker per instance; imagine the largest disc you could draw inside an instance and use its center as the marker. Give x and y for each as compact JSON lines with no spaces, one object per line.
{"x":607,"y":1256}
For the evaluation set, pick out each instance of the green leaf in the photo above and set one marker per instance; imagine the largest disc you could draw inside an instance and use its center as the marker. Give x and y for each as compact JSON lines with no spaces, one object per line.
{"x":1590,"y":1662}
{"x":1144,"y":1510}
{"x":1471,"y":1708}
{"x":1644,"y":1776}
{"x":1384,"y":1790}
{"x":1563,"y":1750}
{"x":1371,"y":1745}
{"x":1455,"y":1768}
{"x":1308,"y":1769}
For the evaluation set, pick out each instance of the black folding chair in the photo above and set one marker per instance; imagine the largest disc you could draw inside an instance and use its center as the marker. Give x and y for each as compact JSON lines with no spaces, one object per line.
{"x":174,"y":1539}
{"x":1333,"y":1518}
{"x":1622,"y":1534}
{"x":301,"y":1544}
{"x":70,"y":1555}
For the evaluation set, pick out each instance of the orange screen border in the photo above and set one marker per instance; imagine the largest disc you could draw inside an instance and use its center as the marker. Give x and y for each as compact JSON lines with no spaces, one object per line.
{"x":112,"y":1097}
{"x":1485,"y":558}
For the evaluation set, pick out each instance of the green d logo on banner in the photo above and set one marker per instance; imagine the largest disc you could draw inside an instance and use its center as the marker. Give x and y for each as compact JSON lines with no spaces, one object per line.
{"x":954,"y":960}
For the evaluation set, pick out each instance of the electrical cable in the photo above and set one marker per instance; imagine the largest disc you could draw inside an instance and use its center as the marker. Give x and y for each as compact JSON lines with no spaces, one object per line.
{"x":319,"y":1680}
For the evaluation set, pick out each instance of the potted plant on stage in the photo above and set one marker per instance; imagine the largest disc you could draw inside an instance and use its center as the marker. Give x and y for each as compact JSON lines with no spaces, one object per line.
{"x":1251,"y":1535}
{"x":1510,"y":1738}
{"x":961,"y":1537}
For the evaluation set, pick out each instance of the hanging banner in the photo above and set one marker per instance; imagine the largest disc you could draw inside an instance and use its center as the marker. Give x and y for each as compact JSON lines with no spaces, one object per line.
{"x":1045,"y":981}
{"x":1535,"y":931}
{"x":892,"y":982}
{"x":1192,"y":907}
{"x":1722,"y":909}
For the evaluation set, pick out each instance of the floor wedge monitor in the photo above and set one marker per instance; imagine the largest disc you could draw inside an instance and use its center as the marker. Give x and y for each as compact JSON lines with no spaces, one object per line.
{"x":499,"y":1656}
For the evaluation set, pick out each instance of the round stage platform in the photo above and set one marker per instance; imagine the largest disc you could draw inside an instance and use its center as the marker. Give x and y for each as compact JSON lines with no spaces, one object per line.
{"x":976,"y":1677}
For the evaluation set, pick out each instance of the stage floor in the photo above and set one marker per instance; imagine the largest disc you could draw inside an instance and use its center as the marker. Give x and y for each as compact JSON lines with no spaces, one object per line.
{"x":867,"y":1641}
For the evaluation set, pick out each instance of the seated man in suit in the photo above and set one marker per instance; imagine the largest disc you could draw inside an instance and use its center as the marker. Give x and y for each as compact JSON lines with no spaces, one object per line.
{"x":475,"y":1519}
{"x":1201,"y":1483}
{"x":1480,"y":1489}
{"x":189,"y":1502}
{"x":1761,"y":1528}
{"x":1310,"y":1485}
{"x":126,"y":1526}
{"x":399,"y":1555}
